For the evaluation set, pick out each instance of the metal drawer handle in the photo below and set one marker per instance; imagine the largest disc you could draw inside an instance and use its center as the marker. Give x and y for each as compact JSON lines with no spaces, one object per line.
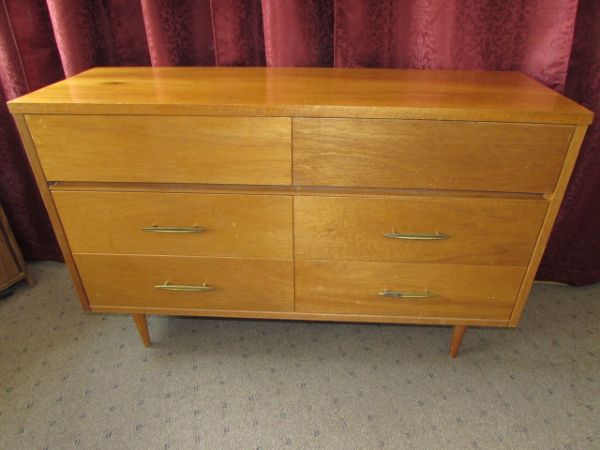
{"x":407,"y":294}
{"x":184,"y":287}
{"x":418,"y":236}
{"x":156,"y":229}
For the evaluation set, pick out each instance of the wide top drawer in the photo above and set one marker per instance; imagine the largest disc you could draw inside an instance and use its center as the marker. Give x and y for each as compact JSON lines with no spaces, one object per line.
{"x":163,"y":149}
{"x":425,"y":154}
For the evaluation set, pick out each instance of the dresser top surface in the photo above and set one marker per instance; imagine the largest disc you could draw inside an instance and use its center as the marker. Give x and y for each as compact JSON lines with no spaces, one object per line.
{"x":308,"y":92}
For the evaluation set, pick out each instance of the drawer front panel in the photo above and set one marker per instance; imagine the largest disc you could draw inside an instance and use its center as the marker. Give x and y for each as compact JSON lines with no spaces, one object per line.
{"x":252,"y":226}
{"x":238,"y":284}
{"x":417,"y":229}
{"x":426,"y":154}
{"x":456,"y":291}
{"x":164,"y":149}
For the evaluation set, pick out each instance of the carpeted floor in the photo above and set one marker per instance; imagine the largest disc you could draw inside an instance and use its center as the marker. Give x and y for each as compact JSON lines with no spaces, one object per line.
{"x":74,"y":380}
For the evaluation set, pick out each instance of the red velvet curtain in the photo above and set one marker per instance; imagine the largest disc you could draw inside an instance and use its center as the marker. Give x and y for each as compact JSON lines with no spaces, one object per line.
{"x":555,"y":41}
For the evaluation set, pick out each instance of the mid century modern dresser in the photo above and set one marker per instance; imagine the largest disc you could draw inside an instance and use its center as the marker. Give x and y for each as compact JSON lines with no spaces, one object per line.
{"x":360,"y":195}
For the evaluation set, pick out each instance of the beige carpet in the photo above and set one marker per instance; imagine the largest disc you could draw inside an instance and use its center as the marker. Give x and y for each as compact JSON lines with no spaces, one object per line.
{"x":74,"y":380}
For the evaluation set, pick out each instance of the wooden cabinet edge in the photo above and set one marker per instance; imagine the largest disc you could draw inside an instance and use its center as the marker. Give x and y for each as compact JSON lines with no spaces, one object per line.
{"x":292,"y":315}
{"x":295,"y":190}
{"x":551,"y":214}
{"x":18,"y":106}
{"x":16,"y":253}
{"x":9,"y":283}
{"x":42,"y":184}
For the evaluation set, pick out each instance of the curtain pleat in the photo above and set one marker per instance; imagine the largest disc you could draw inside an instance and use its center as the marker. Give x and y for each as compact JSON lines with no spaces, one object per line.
{"x":573,"y":252}
{"x":80,"y":38}
{"x":458,"y":35}
{"x":298,"y":32}
{"x":179,"y":33}
{"x":28,"y":60}
{"x":238,"y":33}
{"x":555,"y":41}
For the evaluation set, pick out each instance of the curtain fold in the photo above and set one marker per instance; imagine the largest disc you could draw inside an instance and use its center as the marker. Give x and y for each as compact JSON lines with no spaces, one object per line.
{"x":179,"y":33}
{"x":573,"y":252}
{"x":238,"y":33}
{"x":529,"y":36}
{"x":555,"y":41}
{"x":298,"y":32}
{"x":28,"y":60}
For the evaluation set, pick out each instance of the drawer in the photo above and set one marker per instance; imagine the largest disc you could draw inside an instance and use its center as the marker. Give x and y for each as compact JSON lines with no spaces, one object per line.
{"x":417,"y":229}
{"x":237,"y":284}
{"x":163,"y":149}
{"x":425,"y":154}
{"x":450,"y":291}
{"x":252,"y":226}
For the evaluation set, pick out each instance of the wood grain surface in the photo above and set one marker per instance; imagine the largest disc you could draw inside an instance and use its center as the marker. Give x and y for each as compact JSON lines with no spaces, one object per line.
{"x":308,"y":92}
{"x":223,"y":150}
{"x":461,"y":291}
{"x":429,"y":154}
{"x":294,"y":315}
{"x":252,"y":226}
{"x":239,"y":284}
{"x":480,"y":231}
{"x":556,"y":199}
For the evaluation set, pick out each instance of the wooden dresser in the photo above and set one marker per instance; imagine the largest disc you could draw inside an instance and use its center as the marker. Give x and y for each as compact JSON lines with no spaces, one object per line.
{"x":363,"y":195}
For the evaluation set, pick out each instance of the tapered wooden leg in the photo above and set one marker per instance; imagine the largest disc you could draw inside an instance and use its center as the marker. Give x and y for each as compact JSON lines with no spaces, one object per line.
{"x":142,"y":325}
{"x":28,"y":279}
{"x":457,"y":334}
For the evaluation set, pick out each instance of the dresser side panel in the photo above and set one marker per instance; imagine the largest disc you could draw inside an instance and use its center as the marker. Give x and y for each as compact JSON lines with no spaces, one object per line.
{"x":42,"y":184}
{"x":556,"y":199}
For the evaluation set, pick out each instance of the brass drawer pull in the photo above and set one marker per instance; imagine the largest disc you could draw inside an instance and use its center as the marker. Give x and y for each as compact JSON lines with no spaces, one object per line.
{"x":156,"y":229}
{"x":184,"y":287}
{"x":407,"y":294}
{"x":418,"y":236}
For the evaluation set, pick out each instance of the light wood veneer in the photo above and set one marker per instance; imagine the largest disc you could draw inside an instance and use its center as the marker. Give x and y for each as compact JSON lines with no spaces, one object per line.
{"x":306,"y":92}
{"x":131,"y":280}
{"x":163,"y":149}
{"x":452,"y":290}
{"x":423,"y":154}
{"x":247,"y":226}
{"x":474,"y":231}
{"x":277,"y":187}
